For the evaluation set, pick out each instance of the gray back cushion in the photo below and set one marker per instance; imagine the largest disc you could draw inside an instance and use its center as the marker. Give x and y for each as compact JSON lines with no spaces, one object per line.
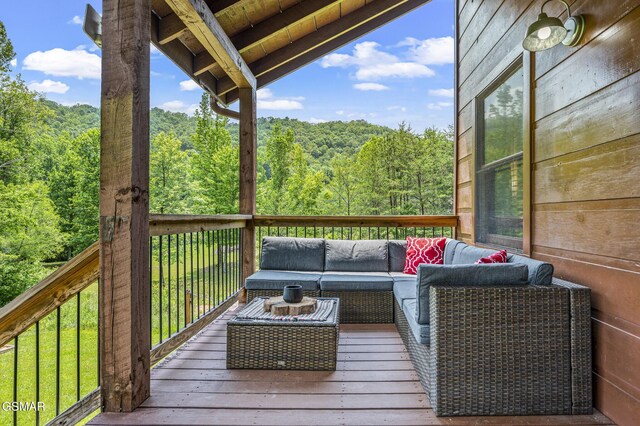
{"x":540,"y":273}
{"x":397,"y":255}
{"x":292,"y":254}
{"x":488,"y":274}
{"x":356,"y":256}
{"x":449,"y":250}
{"x":464,"y":254}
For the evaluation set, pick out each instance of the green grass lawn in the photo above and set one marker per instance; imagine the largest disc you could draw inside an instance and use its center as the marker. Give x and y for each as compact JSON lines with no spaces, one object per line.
{"x":212,"y":283}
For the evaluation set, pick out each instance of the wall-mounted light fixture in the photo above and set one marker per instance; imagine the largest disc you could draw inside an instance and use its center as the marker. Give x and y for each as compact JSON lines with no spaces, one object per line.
{"x":92,"y":25}
{"x":547,"y":32}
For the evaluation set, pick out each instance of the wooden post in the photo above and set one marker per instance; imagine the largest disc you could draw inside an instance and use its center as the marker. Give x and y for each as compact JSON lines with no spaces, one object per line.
{"x":124,"y":205}
{"x":248,"y":152}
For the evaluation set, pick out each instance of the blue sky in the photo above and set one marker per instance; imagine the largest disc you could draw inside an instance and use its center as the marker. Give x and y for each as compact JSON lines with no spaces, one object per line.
{"x":400,"y":72}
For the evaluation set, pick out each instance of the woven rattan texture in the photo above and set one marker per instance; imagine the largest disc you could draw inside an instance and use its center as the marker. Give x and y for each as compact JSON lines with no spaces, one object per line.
{"x":358,"y":307}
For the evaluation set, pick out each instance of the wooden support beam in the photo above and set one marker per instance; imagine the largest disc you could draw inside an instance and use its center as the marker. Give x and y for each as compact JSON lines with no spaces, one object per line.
{"x":327,"y":39}
{"x":124,"y":206}
{"x":170,"y":28}
{"x":255,"y":34}
{"x":206,"y":29}
{"x":181,"y":56}
{"x":202,"y":63}
{"x":248,"y":153}
{"x":218,"y":6}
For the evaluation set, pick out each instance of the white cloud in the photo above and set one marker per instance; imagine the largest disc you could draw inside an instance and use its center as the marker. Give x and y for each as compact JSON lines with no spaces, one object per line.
{"x":13,"y":62}
{"x":397,"y":108}
{"x":279,"y":104}
{"x":153,"y":49}
{"x":49,"y":86}
{"x":179,"y":106}
{"x":188,"y":85}
{"x":64,"y":63}
{"x":267,"y":100}
{"x":265,"y":93}
{"x":373,"y":64}
{"x":443,"y":93}
{"x":76,"y":20}
{"x":432,"y":51}
{"x":313,"y":120}
{"x":440,"y":105}
{"x":370,"y":86}
{"x":340,"y":112}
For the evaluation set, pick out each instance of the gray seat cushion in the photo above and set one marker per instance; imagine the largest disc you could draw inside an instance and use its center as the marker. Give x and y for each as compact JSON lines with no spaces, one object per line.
{"x":397,"y":255}
{"x":487,"y":274}
{"x":356,"y":281}
{"x":292,"y":254}
{"x":356,"y":256}
{"x":422,"y":332}
{"x":404,"y":287}
{"x":276,"y":280}
{"x":540,"y":273}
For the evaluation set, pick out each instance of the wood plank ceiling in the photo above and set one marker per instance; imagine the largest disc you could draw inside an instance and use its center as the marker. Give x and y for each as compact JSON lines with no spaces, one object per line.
{"x":272,"y":37}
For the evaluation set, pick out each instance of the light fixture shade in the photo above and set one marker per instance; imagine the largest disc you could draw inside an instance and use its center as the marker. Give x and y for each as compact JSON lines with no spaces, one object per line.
{"x":545,"y":33}
{"x":92,"y":25}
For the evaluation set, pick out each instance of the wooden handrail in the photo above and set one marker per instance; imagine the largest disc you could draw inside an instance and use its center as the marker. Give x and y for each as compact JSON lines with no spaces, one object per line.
{"x":166,"y":224}
{"x":44,"y":297}
{"x":356,"y":221}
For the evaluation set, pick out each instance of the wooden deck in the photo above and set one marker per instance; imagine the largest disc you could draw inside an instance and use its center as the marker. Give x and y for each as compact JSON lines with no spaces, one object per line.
{"x":374,"y":384}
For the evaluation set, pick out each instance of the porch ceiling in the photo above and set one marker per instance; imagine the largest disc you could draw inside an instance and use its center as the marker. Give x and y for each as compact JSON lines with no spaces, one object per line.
{"x":223,"y":44}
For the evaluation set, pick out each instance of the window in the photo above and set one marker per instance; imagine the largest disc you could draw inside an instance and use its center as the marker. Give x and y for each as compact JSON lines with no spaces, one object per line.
{"x":499,"y":176}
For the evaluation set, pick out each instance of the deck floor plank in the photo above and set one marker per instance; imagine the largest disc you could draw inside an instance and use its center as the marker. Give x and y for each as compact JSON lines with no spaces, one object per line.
{"x":374,"y":384}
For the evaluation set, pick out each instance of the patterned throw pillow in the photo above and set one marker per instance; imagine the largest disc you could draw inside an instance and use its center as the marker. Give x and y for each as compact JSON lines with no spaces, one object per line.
{"x":497,"y":257}
{"x":423,"y":250}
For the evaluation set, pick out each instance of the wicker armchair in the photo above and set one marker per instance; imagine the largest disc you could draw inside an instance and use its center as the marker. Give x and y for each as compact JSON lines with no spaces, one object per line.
{"x":505,"y":350}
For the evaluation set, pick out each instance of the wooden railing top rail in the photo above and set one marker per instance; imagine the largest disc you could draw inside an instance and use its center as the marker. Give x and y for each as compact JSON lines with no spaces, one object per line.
{"x":44,"y":297}
{"x":356,"y":221}
{"x":166,"y":224}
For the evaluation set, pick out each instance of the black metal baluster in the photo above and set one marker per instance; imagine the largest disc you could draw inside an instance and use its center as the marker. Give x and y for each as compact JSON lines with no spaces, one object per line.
{"x":191,"y":261}
{"x":58,"y":361}
{"x":314,"y":231}
{"x":98,"y":334}
{"x":225,"y":263}
{"x":169,"y":285}
{"x":216,"y":269}
{"x":198,"y":273}
{"x":204,"y":277}
{"x":177,"y":282}
{"x":160,"y":287}
{"x":239,"y":258}
{"x":184,"y":275}
{"x":78,"y":349}
{"x":15,"y":378}
{"x":37,"y":370}
{"x":259,"y":244}
{"x":150,"y":290}
{"x":209,"y":266}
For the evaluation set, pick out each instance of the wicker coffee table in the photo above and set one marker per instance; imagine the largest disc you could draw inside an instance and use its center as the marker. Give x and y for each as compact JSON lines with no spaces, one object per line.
{"x":283,"y":344}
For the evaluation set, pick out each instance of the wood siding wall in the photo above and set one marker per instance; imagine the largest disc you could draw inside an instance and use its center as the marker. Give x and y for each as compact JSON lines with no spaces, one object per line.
{"x":585,"y":164}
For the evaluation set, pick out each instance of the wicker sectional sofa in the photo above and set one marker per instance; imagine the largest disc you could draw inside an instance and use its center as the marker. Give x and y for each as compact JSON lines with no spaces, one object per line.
{"x":504,"y":339}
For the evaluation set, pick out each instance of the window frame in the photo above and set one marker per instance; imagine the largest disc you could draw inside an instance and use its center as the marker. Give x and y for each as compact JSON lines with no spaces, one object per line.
{"x":524,"y":62}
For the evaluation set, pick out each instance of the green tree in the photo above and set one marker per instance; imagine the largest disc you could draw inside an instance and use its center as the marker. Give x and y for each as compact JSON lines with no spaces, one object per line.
{"x":215,"y":163}
{"x":278,"y":151}
{"x":304,"y":186}
{"x":170,"y":180}
{"x":342,"y":184}
{"x":29,"y":234}
{"x":75,"y":190}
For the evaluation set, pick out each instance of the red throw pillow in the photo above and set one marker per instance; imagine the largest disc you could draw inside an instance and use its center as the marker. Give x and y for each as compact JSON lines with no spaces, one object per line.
{"x":497,"y":257}
{"x":423,"y":250}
